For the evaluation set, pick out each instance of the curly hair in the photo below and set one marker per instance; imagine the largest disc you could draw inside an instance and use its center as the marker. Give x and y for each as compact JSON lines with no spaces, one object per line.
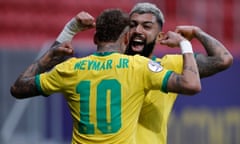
{"x":110,"y":24}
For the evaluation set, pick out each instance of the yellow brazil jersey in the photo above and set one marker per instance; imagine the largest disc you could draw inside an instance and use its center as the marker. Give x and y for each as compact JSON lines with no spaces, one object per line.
{"x":105,"y":92}
{"x":157,"y":106}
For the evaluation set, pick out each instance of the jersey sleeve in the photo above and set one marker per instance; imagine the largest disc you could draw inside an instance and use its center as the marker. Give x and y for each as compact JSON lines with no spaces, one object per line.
{"x":54,"y":80}
{"x":155,"y":76}
{"x":173,"y":62}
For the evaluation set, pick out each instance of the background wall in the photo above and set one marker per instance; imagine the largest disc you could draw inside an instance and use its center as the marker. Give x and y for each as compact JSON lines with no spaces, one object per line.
{"x":28,"y":28}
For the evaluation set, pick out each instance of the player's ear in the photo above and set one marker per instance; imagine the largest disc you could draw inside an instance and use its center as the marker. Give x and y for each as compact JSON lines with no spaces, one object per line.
{"x":124,"y":37}
{"x":160,"y":36}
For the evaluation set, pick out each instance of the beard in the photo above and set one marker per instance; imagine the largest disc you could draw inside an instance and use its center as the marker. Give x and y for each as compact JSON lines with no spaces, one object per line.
{"x":146,"y":51}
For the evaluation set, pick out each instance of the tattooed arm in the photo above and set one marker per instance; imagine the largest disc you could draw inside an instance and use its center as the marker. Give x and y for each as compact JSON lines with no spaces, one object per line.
{"x":24,"y":86}
{"x":188,"y":82}
{"x":218,"y":57}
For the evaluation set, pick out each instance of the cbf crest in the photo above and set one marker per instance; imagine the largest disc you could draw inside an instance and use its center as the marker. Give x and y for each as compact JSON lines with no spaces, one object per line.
{"x":154,"y":66}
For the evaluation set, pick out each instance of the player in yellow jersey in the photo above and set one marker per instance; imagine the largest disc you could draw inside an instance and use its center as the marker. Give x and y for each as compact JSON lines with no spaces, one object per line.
{"x":105,"y":90}
{"x":145,"y":29}
{"x":150,"y":20}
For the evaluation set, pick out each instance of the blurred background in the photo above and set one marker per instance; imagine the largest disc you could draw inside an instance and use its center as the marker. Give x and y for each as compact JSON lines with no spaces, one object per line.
{"x":29,"y":27}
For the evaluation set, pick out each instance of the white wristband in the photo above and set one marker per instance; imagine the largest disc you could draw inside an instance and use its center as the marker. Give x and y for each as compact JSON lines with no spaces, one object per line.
{"x":69,"y":31}
{"x":186,"y":47}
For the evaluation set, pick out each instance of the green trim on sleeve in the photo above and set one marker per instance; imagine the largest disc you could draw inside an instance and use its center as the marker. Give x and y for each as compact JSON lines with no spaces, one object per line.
{"x":165,"y":81}
{"x":38,"y":85}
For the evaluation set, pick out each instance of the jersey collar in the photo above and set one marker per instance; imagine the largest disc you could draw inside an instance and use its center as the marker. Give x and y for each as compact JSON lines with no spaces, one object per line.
{"x":103,"y":53}
{"x":154,"y":58}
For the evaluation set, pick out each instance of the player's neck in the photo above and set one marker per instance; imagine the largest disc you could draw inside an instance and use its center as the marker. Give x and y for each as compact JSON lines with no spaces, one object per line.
{"x":109,"y":47}
{"x":150,"y":56}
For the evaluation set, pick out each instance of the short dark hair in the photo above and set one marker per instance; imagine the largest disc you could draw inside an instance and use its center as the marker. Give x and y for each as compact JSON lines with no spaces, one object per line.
{"x":110,"y":24}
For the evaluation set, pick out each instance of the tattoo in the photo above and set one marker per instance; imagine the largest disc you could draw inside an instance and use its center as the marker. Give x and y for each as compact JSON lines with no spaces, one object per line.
{"x":30,"y":86}
{"x":226,"y":53}
{"x":216,"y":55}
{"x":25,"y":84}
{"x":177,"y":83}
{"x":191,"y":69}
{"x":208,"y":66}
{"x":209,"y":43}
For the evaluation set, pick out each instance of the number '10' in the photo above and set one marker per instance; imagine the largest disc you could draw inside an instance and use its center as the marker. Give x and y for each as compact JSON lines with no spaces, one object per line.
{"x":106,"y":122}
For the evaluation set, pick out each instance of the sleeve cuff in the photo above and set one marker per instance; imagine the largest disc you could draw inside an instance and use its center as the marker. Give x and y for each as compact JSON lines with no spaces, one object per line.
{"x":38,"y":85}
{"x":165,"y":81}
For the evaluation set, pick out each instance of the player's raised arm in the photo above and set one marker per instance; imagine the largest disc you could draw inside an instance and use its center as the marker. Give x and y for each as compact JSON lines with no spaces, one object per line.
{"x":81,"y":22}
{"x":218,"y":58}
{"x":188,"y":82}
{"x":25,"y":86}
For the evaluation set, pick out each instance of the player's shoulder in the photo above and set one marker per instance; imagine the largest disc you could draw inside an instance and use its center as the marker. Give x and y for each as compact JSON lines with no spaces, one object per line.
{"x":170,"y":57}
{"x":71,"y":60}
{"x":67,"y":64}
{"x":137,"y":56}
{"x":145,"y":61}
